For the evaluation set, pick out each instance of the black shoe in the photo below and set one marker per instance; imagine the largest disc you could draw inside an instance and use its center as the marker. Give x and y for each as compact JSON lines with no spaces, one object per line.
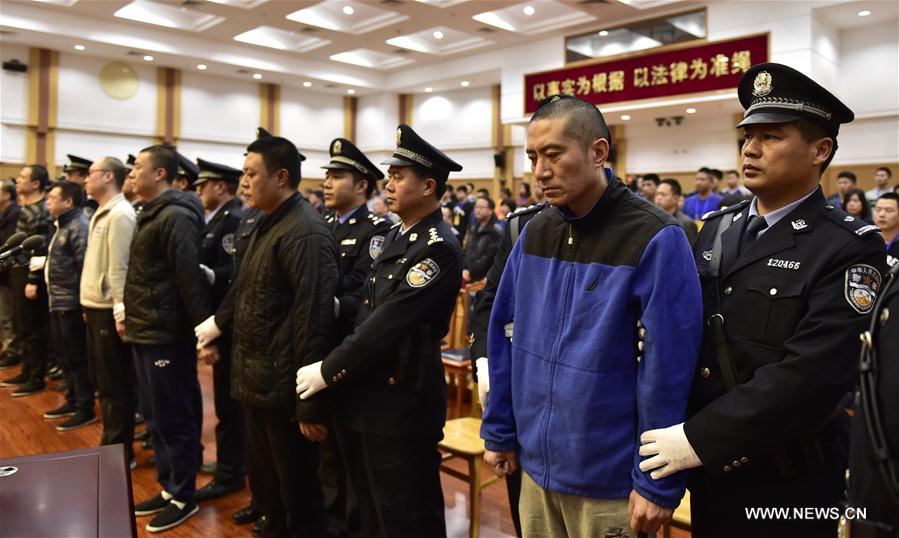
{"x":246,"y":515}
{"x":56,"y":374}
{"x":207,"y":468}
{"x":214,"y":490}
{"x":15,"y":380}
{"x":151,"y":506}
{"x":259,"y":526}
{"x":142,"y":436}
{"x":81,"y":418}
{"x":64,"y":410}
{"x":138,"y":418}
{"x":32,"y":387}
{"x":60,"y":386}
{"x":9,"y":361}
{"x":146,"y":445}
{"x":172,"y":516}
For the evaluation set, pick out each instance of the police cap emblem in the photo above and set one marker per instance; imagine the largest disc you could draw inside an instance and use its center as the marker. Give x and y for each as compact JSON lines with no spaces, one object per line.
{"x":862,"y":284}
{"x":762,"y":86}
{"x":422,"y":272}
{"x":337,"y":146}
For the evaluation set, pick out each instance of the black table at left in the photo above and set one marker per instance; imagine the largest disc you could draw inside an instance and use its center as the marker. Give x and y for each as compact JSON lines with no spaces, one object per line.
{"x":78,"y":493}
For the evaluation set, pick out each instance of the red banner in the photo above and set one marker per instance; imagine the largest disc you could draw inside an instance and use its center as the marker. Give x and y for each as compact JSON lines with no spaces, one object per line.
{"x":711,"y":66}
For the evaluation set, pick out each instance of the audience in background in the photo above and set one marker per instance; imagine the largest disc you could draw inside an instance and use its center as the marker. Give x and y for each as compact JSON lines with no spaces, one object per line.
{"x":886,"y":217}
{"x":846,"y":181}
{"x":483,"y":241}
{"x":733,"y":192}
{"x":704,"y":199}
{"x":524,"y":195}
{"x":648,"y":187}
{"x":668,"y":196}
{"x":10,"y":351}
{"x":881,"y":184}
{"x":855,"y":203}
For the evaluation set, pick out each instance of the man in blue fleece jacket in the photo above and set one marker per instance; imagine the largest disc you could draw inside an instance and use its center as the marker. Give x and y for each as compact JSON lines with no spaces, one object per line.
{"x":572,"y":390}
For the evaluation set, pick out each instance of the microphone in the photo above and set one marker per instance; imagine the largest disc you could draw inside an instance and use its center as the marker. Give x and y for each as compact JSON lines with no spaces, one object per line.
{"x":13,"y":241}
{"x":12,"y":256}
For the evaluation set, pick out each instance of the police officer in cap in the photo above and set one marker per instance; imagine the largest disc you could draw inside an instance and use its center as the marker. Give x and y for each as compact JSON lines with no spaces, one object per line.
{"x":77,"y":171}
{"x":788,"y":284}
{"x":188,"y":172}
{"x":217,"y":185}
{"x":873,"y":508}
{"x":350,"y":179}
{"x":386,"y":378}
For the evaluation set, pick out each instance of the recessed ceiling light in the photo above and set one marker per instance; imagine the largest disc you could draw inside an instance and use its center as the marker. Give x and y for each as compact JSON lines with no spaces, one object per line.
{"x":257,"y":76}
{"x":80,"y":47}
{"x":201,"y":67}
{"x":528,"y":10}
{"x":148,"y":58}
{"x":348,"y":10}
{"x":429,"y":89}
{"x":351,"y":91}
{"x":438,"y":34}
{"x":864,"y":13}
{"x":307,"y":84}
{"x":625,"y":117}
{"x":603,"y":33}
{"x":464,"y":83}
{"x":691,"y":110}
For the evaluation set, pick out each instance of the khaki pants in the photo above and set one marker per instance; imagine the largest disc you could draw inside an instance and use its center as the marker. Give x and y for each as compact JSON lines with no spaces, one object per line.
{"x":553,"y":515}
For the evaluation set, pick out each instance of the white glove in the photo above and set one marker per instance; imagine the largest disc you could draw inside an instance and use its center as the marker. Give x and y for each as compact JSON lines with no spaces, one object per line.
{"x":36,"y":263}
{"x":118,"y":312}
{"x":483,"y":380}
{"x":670,"y":450}
{"x":210,"y":274}
{"x":336,"y":308}
{"x":507,"y":328}
{"x":310,"y":380}
{"x":206,"y":332}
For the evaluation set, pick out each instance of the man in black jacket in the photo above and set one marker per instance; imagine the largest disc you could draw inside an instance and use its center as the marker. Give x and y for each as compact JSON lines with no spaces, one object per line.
{"x":283,"y":319}
{"x":166,"y":293}
{"x":483,"y":241}
{"x":387,"y":377}
{"x":9,"y":218}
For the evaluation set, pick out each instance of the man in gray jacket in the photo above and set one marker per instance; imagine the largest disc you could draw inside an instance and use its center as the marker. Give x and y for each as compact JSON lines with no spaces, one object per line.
{"x":102,"y":289}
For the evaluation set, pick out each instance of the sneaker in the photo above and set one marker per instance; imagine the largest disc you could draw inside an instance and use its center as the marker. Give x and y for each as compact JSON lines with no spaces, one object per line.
{"x":9,"y":361}
{"x":64,"y":410}
{"x":151,"y":506}
{"x":32,"y":387}
{"x":16,"y":380}
{"x":81,"y":418}
{"x":172,"y":516}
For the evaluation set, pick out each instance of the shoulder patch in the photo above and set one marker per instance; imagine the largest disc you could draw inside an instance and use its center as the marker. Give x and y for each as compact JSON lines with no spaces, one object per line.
{"x":375,"y":246}
{"x":228,"y":244}
{"x":422,"y":272}
{"x":862,"y":282}
{"x":724,"y":211}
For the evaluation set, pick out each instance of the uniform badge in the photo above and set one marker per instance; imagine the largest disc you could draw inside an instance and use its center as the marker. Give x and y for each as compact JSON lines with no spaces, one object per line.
{"x":862,"y":283}
{"x":849,"y":218}
{"x":353,"y":221}
{"x":762,"y":86}
{"x":707,"y":255}
{"x":376,"y":246}
{"x":737,"y":217}
{"x":228,"y":243}
{"x":799,"y":224}
{"x":422,"y":273}
{"x":337,"y":147}
{"x":348,"y":242}
{"x":399,"y":135}
{"x":413,"y":237}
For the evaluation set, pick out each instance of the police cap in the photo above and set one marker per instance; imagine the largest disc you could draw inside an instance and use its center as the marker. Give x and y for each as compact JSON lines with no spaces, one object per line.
{"x":346,"y":156}
{"x":413,"y":150}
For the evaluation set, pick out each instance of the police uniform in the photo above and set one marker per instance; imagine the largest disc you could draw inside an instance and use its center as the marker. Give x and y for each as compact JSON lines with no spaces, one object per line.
{"x":360,"y":238}
{"x":387,"y":378}
{"x":216,"y":253}
{"x":874,"y":454}
{"x":187,"y":170}
{"x":783,"y":311}
{"x":82,"y":165}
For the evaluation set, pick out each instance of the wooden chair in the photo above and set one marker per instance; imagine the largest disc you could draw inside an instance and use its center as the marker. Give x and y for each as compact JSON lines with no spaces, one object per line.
{"x":456,"y":355}
{"x":681,"y":518}
{"x":462,"y":439}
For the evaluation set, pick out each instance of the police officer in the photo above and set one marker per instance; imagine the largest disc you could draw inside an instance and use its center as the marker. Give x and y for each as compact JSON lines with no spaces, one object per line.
{"x":788,"y":284}
{"x":873,"y":509}
{"x":217,"y":185}
{"x":188,"y":172}
{"x":387,"y":378}
{"x":77,"y":171}
{"x":350,"y":179}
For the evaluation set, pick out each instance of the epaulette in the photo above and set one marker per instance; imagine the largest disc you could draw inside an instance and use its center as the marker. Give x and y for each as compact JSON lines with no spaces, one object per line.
{"x":433,"y":237}
{"x":533,"y":208}
{"x":375,"y":220}
{"x":725,"y":210}
{"x":849,"y":223}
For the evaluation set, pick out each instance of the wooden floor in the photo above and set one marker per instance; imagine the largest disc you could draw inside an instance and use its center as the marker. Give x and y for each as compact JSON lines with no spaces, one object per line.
{"x":23,"y":432}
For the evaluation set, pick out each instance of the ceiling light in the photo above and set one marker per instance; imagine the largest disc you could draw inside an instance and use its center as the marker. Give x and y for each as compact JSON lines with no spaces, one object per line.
{"x":429,"y":89}
{"x":348,"y":10}
{"x":257,"y":76}
{"x":625,"y":117}
{"x":465,"y":84}
{"x":148,"y":58}
{"x":528,"y":10}
{"x":864,"y":13}
{"x":201,"y":67}
{"x":691,"y":110}
{"x":438,"y":34}
{"x":603,"y":33}
{"x":80,"y":47}
{"x":351,"y":91}
{"x":307,"y":84}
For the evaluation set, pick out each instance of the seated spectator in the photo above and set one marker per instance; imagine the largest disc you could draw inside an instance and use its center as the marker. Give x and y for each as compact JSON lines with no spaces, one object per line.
{"x":483,"y":241}
{"x":704,"y":199}
{"x":667,"y":198}
{"x":855,"y":203}
{"x":524,"y":195}
{"x":882,"y":184}
{"x":648,"y":187}
{"x":733,"y":192}
{"x":846,"y":180}
{"x":505,"y":207}
{"x":886,"y":216}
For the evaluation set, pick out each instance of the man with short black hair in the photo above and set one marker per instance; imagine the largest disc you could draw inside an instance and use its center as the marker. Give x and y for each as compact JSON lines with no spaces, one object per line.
{"x":65,"y":259}
{"x":166,"y":294}
{"x":483,"y":241}
{"x":283,"y":320}
{"x":668,"y":197}
{"x":10,"y":347}
{"x":846,"y":181}
{"x":102,"y":292}
{"x":648,"y":186}
{"x":733,"y":192}
{"x":886,"y":217}
{"x":704,"y":200}
{"x":881,"y":184}
{"x":462,"y":213}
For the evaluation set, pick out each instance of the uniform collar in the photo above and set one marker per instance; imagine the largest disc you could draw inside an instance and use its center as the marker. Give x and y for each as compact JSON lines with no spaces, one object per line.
{"x":348,"y":215}
{"x":773,"y":217}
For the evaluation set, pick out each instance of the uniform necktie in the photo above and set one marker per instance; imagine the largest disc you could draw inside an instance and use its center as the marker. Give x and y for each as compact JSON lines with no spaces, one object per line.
{"x":756,"y":224}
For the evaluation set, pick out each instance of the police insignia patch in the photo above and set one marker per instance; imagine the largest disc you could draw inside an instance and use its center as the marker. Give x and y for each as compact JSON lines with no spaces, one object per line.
{"x":337,"y":146}
{"x":422,"y":273}
{"x":228,"y":243}
{"x":762,"y":86}
{"x":862,"y":284}
{"x":376,"y":246}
